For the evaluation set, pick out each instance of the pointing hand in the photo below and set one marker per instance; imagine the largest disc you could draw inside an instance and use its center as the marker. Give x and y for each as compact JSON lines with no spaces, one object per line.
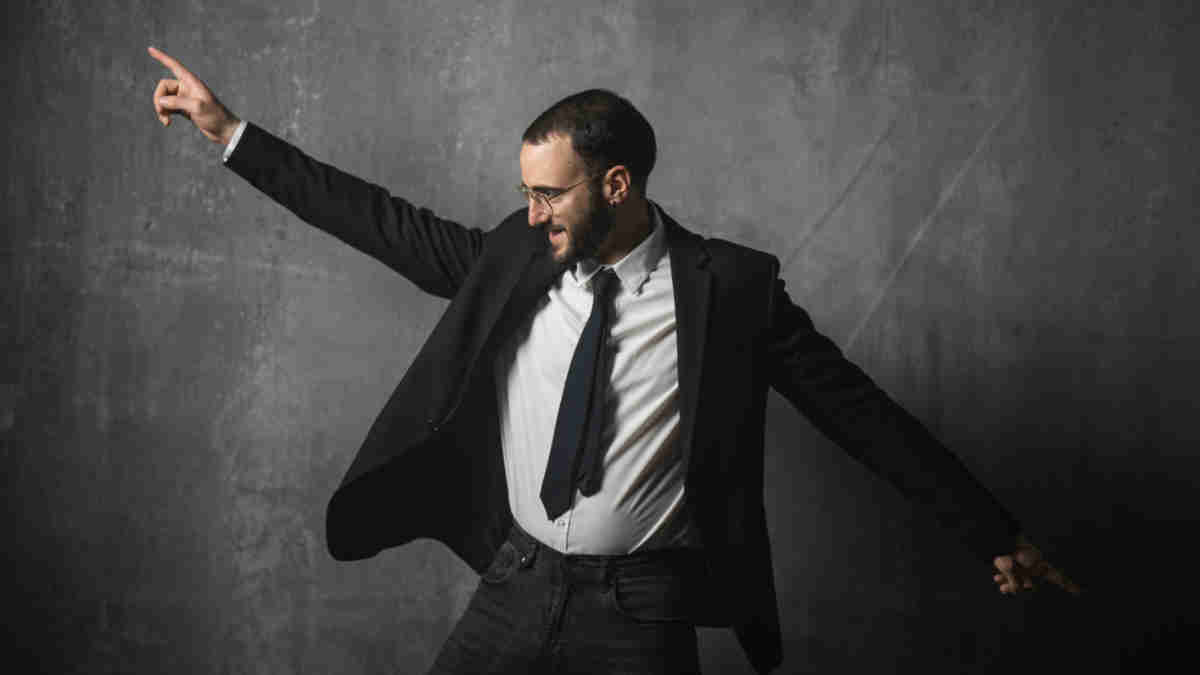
{"x":1018,"y":570}
{"x":187,"y":95}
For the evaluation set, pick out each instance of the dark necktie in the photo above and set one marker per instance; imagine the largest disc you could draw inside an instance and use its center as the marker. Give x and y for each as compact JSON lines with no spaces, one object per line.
{"x":576,"y":446}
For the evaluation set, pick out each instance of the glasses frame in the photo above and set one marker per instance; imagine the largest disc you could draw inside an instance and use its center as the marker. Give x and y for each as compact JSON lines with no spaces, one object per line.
{"x":547,"y":200}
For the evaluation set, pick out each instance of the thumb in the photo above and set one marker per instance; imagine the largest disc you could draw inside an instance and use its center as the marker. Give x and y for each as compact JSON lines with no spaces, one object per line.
{"x":179,"y":105}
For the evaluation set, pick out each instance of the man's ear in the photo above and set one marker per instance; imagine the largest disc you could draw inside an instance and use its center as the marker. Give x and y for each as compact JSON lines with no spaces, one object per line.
{"x":618,"y":185}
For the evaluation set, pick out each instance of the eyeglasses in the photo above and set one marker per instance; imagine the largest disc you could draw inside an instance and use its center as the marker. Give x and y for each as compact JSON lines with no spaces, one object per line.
{"x":545,"y":196}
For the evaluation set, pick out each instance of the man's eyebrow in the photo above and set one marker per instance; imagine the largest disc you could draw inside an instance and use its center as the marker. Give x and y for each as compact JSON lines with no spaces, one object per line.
{"x":540,"y":188}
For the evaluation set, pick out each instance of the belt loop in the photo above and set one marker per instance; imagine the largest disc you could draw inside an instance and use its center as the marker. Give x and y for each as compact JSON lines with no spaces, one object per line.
{"x":528,"y":554}
{"x":526,"y":547}
{"x":525,"y":544}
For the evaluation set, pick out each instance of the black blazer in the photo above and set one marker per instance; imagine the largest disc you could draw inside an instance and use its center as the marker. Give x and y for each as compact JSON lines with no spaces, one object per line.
{"x":431,"y":464}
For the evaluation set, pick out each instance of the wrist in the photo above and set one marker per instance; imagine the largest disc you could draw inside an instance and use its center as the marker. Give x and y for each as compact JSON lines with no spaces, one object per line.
{"x":228,"y":129}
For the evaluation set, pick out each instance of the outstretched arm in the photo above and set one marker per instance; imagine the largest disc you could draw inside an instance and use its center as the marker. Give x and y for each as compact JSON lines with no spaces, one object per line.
{"x":434,"y":253}
{"x":810,"y":371}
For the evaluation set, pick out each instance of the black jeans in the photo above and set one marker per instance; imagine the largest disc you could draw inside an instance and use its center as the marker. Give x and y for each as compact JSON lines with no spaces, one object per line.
{"x":539,"y":611}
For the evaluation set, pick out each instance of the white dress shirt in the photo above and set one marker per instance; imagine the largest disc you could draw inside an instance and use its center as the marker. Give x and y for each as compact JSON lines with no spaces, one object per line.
{"x":640,"y":504}
{"x":641,"y":501}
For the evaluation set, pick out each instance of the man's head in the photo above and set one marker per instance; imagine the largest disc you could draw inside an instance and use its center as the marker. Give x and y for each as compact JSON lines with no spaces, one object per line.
{"x":590,"y":154}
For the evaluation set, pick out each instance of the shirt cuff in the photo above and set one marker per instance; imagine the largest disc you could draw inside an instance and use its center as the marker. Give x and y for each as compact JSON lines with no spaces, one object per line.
{"x":237,"y":136}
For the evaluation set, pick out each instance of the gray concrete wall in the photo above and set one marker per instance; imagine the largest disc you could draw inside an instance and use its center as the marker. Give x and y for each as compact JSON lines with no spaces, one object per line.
{"x":989,"y":205}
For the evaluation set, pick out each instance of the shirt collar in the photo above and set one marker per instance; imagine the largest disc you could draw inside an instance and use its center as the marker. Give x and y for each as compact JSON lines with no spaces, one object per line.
{"x":634,"y":269}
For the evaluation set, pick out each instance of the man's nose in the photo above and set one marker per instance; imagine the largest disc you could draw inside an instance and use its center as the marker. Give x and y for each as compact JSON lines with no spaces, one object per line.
{"x":537,"y":214}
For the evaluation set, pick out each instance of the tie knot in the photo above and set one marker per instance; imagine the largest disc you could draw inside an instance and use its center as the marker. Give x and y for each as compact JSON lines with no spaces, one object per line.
{"x":604,"y":282}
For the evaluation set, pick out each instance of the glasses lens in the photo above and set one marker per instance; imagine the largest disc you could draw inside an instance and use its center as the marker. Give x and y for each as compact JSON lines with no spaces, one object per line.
{"x":535,"y":198}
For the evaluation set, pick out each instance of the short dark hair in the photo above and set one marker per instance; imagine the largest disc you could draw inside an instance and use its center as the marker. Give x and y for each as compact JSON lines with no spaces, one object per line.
{"x":604,"y":128}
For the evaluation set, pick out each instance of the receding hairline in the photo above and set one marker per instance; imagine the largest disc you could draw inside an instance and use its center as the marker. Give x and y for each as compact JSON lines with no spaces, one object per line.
{"x":604,"y":129}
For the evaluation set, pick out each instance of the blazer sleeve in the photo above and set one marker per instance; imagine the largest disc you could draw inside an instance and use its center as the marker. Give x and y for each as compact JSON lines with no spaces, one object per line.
{"x":434,"y":253}
{"x":809,"y":370}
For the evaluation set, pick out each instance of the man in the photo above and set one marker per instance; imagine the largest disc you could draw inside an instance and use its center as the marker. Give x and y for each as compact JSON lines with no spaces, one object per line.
{"x":584,"y":426}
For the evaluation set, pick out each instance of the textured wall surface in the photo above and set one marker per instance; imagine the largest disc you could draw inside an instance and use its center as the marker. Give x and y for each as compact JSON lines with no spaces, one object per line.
{"x":990,"y":205}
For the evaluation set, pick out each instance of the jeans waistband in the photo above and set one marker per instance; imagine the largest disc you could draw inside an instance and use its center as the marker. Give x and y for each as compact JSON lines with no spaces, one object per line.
{"x":684,"y":562}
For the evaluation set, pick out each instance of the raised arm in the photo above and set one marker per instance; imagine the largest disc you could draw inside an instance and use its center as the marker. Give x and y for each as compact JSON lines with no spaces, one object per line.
{"x":434,"y":253}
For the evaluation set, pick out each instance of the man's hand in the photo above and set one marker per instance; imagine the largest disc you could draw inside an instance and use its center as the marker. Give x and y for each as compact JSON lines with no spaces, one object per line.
{"x":186,"y":95}
{"x":1019,"y":569}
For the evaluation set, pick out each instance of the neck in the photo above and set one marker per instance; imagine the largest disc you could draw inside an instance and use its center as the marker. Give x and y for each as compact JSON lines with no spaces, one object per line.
{"x":631,"y":227}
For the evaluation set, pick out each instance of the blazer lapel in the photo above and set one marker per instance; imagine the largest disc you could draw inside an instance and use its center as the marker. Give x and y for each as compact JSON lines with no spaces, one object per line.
{"x":691,"y":279}
{"x":540,"y":271}
{"x":513,"y":297}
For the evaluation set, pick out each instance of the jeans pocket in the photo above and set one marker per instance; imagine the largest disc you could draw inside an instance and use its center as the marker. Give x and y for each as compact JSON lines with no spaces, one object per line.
{"x":652,"y":598}
{"x":506,"y":562}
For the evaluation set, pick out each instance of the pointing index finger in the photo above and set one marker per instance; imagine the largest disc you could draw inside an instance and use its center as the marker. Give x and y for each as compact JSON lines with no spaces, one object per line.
{"x":175,"y":66}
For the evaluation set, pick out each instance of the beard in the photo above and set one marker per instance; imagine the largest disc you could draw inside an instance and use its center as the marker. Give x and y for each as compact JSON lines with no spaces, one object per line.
{"x":586,"y":237}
